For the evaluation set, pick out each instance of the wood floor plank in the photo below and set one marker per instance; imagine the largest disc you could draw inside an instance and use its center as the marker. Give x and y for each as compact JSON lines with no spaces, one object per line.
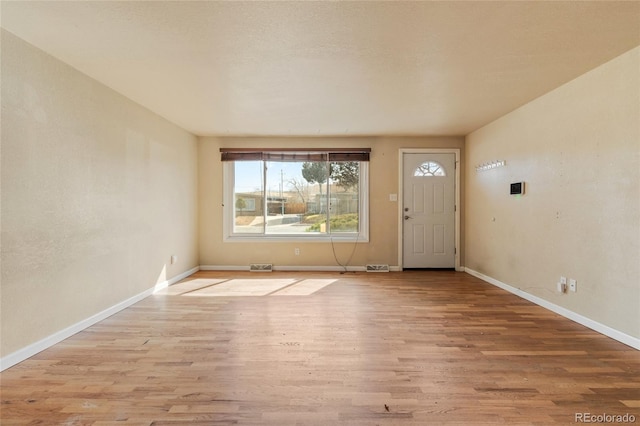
{"x":410,"y":348}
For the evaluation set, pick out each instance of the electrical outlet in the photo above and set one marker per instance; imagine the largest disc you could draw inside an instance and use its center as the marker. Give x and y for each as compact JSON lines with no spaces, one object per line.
{"x":573,"y":285}
{"x":174,"y":259}
{"x":563,"y":280}
{"x":296,"y":251}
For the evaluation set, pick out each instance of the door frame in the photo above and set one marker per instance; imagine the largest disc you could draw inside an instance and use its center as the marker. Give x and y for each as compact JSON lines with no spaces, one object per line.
{"x":401,"y":153}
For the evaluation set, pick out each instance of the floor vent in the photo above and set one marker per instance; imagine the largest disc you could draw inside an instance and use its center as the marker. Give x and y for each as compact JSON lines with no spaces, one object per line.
{"x":377,"y":268}
{"x":261,"y":267}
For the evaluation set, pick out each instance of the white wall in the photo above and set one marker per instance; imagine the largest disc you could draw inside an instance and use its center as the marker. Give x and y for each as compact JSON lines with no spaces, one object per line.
{"x":578,"y":150}
{"x":97,"y":194}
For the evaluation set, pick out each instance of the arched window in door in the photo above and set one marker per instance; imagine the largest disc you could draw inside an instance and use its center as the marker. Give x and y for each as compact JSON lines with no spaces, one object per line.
{"x":429,"y":169}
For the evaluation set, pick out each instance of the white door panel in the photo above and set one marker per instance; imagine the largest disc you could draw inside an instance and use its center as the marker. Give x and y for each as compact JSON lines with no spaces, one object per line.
{"x":429,"y":210}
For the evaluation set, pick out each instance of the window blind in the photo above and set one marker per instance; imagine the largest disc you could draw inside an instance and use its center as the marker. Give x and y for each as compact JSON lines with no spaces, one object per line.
{"x":295,"y":154}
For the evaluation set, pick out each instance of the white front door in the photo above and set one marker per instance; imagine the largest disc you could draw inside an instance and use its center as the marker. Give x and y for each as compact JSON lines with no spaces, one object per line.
{"x":428,"y":210}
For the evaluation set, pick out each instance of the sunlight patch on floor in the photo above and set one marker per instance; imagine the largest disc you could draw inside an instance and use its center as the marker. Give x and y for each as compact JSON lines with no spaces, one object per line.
{"x":189,"y":286}
{"x":209,"y":287}
{"x":304,"y":288}
{"x":243,"y":287}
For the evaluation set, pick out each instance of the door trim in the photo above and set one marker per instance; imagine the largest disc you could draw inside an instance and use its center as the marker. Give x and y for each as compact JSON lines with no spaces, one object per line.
{"x":401,"y":153}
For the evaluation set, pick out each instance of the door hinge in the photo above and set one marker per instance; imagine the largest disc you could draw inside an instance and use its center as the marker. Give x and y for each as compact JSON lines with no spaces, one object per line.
{"x":455,"y":250}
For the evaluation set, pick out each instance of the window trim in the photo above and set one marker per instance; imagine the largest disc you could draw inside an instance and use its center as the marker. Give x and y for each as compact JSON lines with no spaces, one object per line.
{"x":228,"y":212}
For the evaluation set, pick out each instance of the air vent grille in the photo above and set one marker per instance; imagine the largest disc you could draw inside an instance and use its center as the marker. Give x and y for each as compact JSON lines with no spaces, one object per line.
{"x":377,"y":268}
{"x":261,"y":267}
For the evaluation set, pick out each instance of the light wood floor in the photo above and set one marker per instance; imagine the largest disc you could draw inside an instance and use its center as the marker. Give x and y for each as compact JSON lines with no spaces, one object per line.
{"x":424,"y":348}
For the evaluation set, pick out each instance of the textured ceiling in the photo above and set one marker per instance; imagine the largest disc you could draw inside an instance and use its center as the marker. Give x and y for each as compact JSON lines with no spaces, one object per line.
{"x":329,"y":68}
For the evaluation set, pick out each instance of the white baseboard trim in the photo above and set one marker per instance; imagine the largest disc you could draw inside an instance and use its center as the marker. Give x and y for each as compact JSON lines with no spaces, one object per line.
{"x":587,"y":322}
{"x":34,"y":348}
{"x":319,"y":268}
{"x":224,"y":268}
{"x":293,"y":268}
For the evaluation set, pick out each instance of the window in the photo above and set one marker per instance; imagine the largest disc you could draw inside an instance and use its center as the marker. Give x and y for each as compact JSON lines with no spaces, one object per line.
{"x":301,"y":194}
{"x":429,"y":168}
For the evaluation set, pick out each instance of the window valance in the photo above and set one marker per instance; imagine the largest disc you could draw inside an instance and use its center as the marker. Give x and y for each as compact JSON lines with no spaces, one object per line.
{"x":295,"y":154}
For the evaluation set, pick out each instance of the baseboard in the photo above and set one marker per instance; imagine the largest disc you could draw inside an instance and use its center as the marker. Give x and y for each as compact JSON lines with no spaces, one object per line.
{"x":29,"y":351}
{"x":587,"y":322}
{"x":224,"y":268}
{"x":318,"y":268}
{"x":293,"y":268}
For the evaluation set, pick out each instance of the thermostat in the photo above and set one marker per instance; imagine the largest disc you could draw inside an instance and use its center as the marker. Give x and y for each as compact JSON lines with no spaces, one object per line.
{"x":517,"y":188}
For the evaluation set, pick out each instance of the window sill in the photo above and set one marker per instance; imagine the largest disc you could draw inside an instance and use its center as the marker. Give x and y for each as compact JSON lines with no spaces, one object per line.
{"x":352,"y":238}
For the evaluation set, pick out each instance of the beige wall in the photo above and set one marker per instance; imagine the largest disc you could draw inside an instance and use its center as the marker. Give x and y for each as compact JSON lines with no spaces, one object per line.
{"x":97,"y":194}
{"x":383,"y":226}
{"x":578,"y":150}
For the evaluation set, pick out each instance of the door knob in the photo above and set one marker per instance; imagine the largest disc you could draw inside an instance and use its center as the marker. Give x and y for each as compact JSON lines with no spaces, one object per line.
{"x":407,"y":217}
